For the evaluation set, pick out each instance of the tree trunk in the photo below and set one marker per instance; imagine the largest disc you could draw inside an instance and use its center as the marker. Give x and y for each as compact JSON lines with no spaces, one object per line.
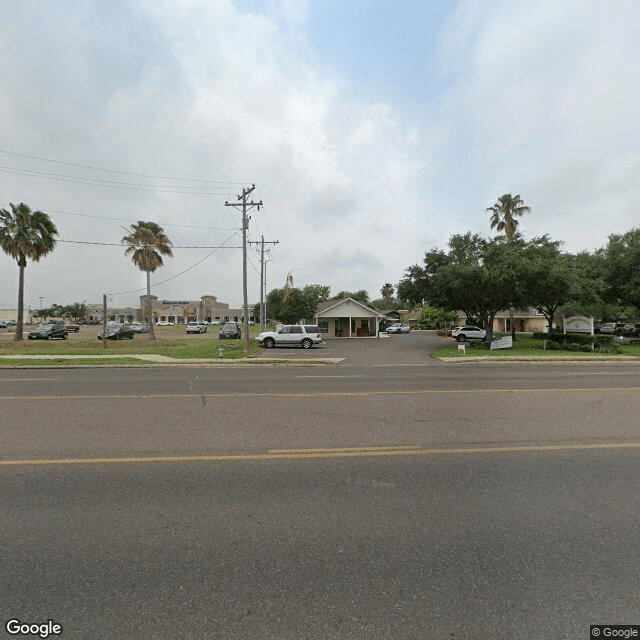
{"x":152,"y":333}
{"x":489,"y":329}
{"x":513,"y":326}
{"x":22,"y":263}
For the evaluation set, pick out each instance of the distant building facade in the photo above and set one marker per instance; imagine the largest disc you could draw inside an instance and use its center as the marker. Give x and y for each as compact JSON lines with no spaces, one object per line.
{"x":177,"y":311}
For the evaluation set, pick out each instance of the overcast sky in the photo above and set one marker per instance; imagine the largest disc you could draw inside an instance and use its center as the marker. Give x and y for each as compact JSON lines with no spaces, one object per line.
{"x":372,"y":129}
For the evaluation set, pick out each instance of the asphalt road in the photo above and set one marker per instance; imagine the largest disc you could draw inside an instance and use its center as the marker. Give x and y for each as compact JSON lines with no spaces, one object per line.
{"x":394,"y":498}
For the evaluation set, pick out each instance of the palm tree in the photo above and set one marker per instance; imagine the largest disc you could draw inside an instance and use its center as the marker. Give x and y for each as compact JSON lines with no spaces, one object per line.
{"x":503,"y":217}
{"x":504,"y":212}
{"x":387,"y":291}
{"x":146,"y":244}
{"x":25,"y":234}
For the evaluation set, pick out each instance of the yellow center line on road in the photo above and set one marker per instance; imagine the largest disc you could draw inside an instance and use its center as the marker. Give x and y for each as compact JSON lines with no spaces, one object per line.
{"x":319,"y":394}
{"x":311,"y":454}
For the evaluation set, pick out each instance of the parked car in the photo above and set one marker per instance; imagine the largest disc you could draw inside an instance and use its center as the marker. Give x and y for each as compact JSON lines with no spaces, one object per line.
{"x":468,"y":332}
{"x":164,"y":323}
{"x":139,"y":327}
{"x":398,"y":327}
{"x":394,"y":328}
{"x":290,"y":335}
{"x":71,"y":326}
{"x":117,"y":332}
{"x":230,"y":330}
{"x":196,"y":327}
{"x":618,"y":328}
{"x":607,"y":327}
{"x":630,"y":330}
{"x":3,"y":324}
{"x":49,"y":331}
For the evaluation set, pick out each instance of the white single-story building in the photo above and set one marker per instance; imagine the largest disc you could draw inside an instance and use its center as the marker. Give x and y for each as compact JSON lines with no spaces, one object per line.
{"x":347,"y":318}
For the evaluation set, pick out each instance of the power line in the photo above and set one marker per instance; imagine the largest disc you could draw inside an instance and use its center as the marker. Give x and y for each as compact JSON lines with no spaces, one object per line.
{"x":129,"y":221}
{"x":193,"y":266}
{"x":126,"y":173}
{"x":119,"y":244}
{"x":163,"y":224}
{"x":110,"y":184}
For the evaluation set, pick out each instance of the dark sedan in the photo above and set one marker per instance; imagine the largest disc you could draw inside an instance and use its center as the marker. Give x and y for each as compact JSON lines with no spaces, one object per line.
{"x":49,"y":332}
{"x":230,"y":330}
{"x":117,"y":332}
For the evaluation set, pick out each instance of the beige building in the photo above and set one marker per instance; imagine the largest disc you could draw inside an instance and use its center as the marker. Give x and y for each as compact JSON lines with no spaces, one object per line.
{"x":347,"y":318}
{"x":529,"y":321}
{"x":176,"y":311}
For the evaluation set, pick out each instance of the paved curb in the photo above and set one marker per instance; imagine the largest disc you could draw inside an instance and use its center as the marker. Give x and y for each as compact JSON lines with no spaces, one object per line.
{"x":156,"y":360}
{"x":508,"y":359}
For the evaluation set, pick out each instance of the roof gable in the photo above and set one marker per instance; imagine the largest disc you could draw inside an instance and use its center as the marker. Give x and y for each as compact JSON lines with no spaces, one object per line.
{"x":331,"y":308}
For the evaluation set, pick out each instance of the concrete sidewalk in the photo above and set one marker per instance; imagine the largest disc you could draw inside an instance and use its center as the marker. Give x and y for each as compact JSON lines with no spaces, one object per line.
{"x":155,"y":358}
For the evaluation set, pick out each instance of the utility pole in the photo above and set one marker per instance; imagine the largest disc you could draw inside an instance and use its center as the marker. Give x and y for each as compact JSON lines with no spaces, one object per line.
{"x":262,"y":242}
{"x":265,"y":288}
{"x":244,"y":206}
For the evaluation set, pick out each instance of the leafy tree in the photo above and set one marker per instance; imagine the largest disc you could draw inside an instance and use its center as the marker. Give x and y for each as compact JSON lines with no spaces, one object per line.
{"x":299,"y":304}
{"x":550,"y":278}
{"x":77,"y":310}
{"x":477,"y":276}
{"x":25,"y":235}
{"x":146,"y":244}
{"x":436,"y":317}
{"x":482,"y":283}
{"x":275,"y":298}
{"x":622,"y":268}
{"x":416,"y":287}
{"x":360,"y":296}
{"x":315,"y":294}
{"x":505,"y":211}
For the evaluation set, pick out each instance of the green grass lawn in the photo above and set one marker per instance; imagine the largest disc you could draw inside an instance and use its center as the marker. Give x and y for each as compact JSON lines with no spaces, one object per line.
{"x":166,"y":345}
{"x":57,"y":362}
{"x":527,"y":346}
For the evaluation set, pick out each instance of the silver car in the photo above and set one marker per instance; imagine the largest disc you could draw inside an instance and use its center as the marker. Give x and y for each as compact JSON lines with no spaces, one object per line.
{"x":196,"y":327}
{"x":468,"y":332}
{"x":291,"y":335}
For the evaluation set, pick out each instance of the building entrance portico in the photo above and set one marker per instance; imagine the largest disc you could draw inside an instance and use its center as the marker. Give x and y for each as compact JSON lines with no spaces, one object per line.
{"x":347,"y":318}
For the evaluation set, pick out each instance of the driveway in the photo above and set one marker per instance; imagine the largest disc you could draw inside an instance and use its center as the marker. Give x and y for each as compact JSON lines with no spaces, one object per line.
{"x":408,"y":349}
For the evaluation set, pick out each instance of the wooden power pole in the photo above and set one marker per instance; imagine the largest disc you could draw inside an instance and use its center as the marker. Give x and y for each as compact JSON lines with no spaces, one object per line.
{"x":244,"y":206}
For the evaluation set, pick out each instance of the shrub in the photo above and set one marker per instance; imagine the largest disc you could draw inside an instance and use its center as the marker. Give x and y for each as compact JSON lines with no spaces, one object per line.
{"x":586,"y":348}
{"x":553,"y":345}
{"x":574,"y":346}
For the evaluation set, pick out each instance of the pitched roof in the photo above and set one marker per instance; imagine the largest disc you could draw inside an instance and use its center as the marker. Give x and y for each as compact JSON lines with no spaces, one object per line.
{"x":330,"y":304}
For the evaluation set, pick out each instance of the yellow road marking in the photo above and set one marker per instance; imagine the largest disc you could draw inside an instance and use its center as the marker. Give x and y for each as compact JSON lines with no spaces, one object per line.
{"x":400,"y":447}
{"x":310,"y":454}
{"x":319,"y":394}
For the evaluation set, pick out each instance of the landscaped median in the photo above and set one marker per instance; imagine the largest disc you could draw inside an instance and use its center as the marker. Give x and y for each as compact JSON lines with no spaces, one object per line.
{"x":528,"y":347}
{"x":140,"y":352}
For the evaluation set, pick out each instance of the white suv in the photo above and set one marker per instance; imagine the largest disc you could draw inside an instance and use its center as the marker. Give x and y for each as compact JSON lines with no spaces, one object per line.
{"x":468,"y":332}
{"x":305,"y":335}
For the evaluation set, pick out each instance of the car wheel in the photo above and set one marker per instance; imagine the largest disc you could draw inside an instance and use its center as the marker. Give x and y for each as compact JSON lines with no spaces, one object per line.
{"x":461,"y":337}
{"x":269,"y":343}
{"x":65,"y":336}
{"x":306,"y":343}
{"x":131,"y":336}
{"x":49,"y":337}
